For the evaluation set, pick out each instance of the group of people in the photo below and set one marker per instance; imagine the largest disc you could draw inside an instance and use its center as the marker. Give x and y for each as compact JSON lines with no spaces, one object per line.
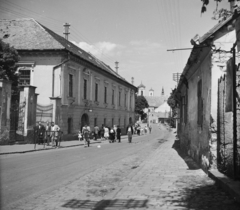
{"x":142,"y":130}
{"x":47,"y":133}
{"x":104,"y":133}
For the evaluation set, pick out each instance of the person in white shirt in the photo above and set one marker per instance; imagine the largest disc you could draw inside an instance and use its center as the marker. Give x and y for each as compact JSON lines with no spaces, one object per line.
{"x":55,"y":133}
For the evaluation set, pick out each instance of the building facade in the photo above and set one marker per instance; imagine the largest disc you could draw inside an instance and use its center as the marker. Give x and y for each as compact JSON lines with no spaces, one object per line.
{"x":74,"y":87}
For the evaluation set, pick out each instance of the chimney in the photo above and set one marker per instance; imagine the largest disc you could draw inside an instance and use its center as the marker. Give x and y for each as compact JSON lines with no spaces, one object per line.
{"x":132,"y":80}
{"x":116,"y":66}
{"x":66,"y":28}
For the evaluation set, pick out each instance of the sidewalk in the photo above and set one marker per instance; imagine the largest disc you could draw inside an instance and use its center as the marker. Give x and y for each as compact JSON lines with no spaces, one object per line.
{"x":169,"y":180}
{"x":24,"y":148}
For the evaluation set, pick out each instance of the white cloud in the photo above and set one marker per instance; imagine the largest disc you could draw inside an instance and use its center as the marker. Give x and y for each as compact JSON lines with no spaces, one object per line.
{"x":100,"y":49}
{"x":146,"y":44}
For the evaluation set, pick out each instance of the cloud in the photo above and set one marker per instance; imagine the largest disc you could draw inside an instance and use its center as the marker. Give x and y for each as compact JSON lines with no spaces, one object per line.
{"x":100,"y":49}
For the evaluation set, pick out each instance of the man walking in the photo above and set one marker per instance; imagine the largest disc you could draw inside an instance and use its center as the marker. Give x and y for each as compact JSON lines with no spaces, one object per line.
{"x":55,"y":134}
{"x":118,"y":134}
{"x":40,"y":132}
{"x":129,"y":133}
{"x":96,"y":131}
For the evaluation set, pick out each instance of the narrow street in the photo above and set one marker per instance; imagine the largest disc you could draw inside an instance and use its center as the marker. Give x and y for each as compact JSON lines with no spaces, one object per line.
{"x":147,"y":174}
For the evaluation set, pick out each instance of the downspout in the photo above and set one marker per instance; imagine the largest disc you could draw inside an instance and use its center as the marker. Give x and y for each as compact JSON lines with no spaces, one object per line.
{"x":53,"y":73}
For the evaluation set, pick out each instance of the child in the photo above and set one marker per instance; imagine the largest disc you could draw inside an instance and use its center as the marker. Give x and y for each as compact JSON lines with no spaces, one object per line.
{"x":79,"y":136}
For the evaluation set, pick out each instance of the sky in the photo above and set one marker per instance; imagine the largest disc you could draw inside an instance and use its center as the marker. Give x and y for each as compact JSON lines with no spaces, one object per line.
{"x":136,"y":33}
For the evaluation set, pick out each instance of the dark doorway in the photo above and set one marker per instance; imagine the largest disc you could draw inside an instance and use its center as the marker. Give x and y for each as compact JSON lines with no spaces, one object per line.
{"x":84,"y":120}
{"x":130,"y":120}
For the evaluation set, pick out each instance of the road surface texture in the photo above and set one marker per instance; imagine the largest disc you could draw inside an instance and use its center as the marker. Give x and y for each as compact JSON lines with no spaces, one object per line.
{"x":146,"y":174}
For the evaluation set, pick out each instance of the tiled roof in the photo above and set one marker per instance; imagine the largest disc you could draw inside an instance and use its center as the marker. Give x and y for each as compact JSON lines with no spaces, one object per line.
{"x":28,"y":34}
{"x":155,"y":101}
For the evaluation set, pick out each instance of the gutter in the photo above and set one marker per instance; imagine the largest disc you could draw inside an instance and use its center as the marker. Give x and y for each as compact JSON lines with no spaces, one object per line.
{"x":53,"y":73}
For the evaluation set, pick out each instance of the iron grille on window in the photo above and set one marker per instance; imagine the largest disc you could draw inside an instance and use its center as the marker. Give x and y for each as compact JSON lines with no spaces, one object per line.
{"x":25,"y":76}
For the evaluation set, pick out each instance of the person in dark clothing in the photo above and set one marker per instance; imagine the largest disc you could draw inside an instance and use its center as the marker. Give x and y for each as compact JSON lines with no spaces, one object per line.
{"x":129,"y":133}
{"x":118,"y":133}
{"x":40,"y":132}
{"x":112,"y":135}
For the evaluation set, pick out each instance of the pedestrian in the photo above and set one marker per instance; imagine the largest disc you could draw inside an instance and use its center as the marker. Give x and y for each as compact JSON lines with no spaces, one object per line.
{"x":96,"y":131}
{"x":101,"y":132}
{"x":48,"y":133}
{"x":150,"y":128}
{"x":79,"y":135}
{"x":138,"y":129}
{"x":115,"y":131}
{"x":40,"y":132}
{"x":118,"y":134}
{"x":86,"y":133}
{"x":106,"y":132}
{"x":129,"y":133}
{"x":145,"y":129}
{"x":55,"y":129}
{"x":112,"y":135}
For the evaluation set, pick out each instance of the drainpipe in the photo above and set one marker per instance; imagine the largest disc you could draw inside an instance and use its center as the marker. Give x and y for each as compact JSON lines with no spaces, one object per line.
{"x":53,"y":73}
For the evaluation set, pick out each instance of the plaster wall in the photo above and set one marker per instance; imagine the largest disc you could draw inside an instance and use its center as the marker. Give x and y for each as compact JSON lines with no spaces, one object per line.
{"x":195,"y":138}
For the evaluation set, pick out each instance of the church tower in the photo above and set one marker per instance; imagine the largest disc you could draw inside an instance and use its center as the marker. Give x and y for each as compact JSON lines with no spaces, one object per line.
{"x":141,"y":90}
{"x":151,"y":92}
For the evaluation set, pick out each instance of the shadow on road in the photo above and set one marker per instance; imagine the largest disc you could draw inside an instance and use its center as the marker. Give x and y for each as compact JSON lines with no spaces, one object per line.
{"x":103,"y":204}
{"x":188,"y":160}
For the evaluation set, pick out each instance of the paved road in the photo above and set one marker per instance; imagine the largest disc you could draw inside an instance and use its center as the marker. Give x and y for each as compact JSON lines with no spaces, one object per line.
{"x":41,"y":172}
{"x":148,"y":174}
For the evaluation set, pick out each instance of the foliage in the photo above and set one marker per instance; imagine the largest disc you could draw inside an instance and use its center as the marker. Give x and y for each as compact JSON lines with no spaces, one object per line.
{"x":140,"y":104}
{"x":172,"y":103}
{"x":206,"y":2}
{"x":8,"y":59}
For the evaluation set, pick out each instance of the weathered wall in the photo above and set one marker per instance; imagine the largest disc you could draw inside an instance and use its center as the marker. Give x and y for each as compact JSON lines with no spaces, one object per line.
{"x":5,"y":104}
{"x":193,"y":137}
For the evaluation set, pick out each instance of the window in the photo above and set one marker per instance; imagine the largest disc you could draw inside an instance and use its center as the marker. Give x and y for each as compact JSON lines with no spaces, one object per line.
{"x":130,"y":101}
{"x":69,"y":125}
{"x":95,"y":121}
{"x":70,"y":86}
{"x":105,"y":94}
{"x":24,"y":77}
{"x":141,"y":93}
{"x":96,"y":92}
{"x":125,"y":100}
{"x":200,"y":103}
{"x":113,"y":93}
{"x":85,"y":89}
{"x":119,"y":99}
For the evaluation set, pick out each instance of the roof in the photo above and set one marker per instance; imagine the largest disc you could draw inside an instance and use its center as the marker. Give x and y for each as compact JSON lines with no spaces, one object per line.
{"x":213,"y":34}
{"x":151,"y":89}
{"x":28,"y":34}
{"x":141,"y":85}
{"x":163,"y":108}
{"x":155,"y":101}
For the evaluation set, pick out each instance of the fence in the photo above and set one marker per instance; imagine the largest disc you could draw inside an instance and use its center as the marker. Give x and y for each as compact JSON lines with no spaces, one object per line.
{"x":225,"y":151}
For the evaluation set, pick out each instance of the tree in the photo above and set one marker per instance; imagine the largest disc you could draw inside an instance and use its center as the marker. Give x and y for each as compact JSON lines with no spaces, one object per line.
{"x":8,"y":59}
{"x":206,"y":2}
{"x":140,"y":104}
{"x":172,"y":102}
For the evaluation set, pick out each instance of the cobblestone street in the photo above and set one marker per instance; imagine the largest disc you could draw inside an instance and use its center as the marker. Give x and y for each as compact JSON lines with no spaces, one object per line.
{"x":155,"y":177}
